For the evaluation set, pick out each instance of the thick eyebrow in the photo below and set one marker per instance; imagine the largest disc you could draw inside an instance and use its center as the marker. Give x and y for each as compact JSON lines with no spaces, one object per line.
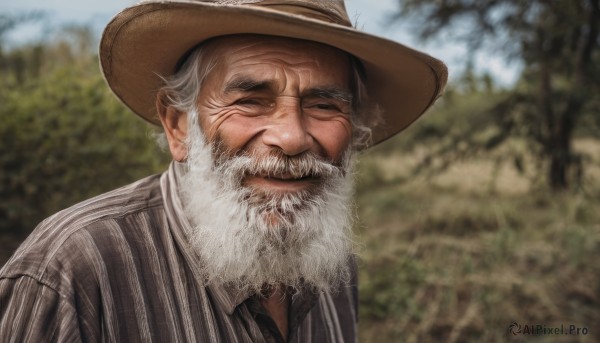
{"x":247,"y":85}
{"x":329,"y":93}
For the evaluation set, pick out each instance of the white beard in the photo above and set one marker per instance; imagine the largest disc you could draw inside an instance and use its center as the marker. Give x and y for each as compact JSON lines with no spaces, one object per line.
{"x":250,"y":240}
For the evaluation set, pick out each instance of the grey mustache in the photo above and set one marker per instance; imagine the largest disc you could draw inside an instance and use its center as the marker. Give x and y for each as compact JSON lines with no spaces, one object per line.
{"x":281,"y":166}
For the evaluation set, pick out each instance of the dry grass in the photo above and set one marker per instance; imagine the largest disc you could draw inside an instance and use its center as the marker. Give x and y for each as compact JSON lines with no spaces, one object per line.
{"x":460,"y":256}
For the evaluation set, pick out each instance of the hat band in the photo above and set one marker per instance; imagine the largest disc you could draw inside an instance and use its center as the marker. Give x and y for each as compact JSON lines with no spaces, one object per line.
{"x":305,"y":10}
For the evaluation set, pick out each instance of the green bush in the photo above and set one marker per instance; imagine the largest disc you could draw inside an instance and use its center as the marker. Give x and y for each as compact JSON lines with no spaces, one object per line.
{"x":64,"y":137}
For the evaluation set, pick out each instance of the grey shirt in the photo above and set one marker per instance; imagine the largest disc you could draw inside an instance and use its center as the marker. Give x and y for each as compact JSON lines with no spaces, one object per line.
{"x":117,"y":268}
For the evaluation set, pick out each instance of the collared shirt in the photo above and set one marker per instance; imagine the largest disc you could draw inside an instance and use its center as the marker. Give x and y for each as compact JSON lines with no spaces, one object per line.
{"x":118,"y":268}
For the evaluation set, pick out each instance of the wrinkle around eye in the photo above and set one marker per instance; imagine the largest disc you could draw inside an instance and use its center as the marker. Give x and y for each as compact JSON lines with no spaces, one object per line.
{"x":252,"y":107}
{"x":330,"y":106}
{"x":342,"y":119}
{"x":326,"y":114}
{"x":217,"y":119}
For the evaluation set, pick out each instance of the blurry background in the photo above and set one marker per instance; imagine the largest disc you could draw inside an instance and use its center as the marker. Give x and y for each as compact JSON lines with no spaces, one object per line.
{"x":484,"y":213}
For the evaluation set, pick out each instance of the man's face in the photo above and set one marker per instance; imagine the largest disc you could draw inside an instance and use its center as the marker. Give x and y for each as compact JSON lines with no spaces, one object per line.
{"x":269,"y":94}
{"x":268,"y":184}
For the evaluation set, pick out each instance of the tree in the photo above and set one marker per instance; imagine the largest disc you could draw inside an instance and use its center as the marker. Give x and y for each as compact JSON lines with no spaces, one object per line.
{"x":558,"y":43}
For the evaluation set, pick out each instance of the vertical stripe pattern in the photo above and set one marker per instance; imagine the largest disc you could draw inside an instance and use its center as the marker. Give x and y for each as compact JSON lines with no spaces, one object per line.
{"x":118,"y":268}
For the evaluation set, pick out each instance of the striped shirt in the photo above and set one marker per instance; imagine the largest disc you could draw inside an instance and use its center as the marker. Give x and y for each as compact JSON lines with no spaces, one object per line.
{"x":118,"y":268}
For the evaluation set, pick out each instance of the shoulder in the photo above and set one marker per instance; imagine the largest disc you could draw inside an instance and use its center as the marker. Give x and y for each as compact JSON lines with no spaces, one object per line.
{"x":66,"y":243}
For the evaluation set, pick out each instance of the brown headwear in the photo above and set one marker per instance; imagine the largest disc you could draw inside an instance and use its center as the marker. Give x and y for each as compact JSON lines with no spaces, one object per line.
{"x":148,"y":39}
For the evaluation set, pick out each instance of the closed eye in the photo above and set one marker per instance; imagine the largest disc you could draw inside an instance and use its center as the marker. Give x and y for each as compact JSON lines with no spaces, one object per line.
{"x":248,"y":102}
{"x":253,"y":101}
{"x":325,"y":106}
{"x":328,"y":107}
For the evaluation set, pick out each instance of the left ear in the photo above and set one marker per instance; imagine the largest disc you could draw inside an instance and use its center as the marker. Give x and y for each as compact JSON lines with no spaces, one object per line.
{"x":174,"y":123}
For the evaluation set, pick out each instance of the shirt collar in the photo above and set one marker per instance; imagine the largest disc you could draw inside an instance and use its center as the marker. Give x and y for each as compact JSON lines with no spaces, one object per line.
{"x":227,"y":297}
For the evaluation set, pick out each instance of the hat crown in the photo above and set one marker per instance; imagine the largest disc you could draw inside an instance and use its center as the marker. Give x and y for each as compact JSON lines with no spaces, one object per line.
{"x":333,"y":11}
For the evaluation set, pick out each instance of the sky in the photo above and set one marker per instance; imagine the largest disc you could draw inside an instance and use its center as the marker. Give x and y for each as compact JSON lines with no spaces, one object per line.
{"x":370,"y":15}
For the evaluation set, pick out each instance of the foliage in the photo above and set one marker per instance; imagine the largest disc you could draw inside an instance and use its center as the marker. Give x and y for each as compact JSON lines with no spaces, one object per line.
{"x":449,"y":264}
{"x":64,"y":137}
{"x":558,"y":43}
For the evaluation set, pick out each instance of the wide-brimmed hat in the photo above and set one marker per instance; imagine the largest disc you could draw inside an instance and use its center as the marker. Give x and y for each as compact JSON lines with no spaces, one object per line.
{"x":147,"y":40}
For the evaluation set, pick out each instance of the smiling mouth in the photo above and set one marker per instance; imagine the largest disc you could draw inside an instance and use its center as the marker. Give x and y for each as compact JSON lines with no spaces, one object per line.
{"x":287,"y":178}
{"x":281,"y":182}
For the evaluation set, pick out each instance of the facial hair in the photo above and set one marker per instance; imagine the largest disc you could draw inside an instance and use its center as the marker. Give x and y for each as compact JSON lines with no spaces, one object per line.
{"x":251,"y":238}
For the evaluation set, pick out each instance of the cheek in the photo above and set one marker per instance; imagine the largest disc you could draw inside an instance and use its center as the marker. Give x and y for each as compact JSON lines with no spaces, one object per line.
{"x":332,"y":135}
{"x":226,"y":124}
{"x":238,"y":131}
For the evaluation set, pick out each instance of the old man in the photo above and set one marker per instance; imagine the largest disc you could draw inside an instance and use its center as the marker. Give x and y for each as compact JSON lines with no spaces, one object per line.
{"x":247,"y":236}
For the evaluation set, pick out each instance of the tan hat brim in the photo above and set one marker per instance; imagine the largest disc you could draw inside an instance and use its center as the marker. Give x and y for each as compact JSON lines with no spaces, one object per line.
{"x":148,"y":40}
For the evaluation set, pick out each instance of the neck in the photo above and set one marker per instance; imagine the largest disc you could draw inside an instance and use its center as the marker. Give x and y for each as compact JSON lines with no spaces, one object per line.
{"x":277,"y":304}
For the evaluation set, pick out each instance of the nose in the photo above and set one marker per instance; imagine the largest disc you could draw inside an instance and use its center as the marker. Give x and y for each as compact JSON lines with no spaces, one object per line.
{"x":287,"y":130}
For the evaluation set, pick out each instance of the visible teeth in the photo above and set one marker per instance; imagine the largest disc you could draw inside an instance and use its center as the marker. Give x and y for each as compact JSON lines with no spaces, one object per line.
{"x":283,"y":176}
{"x":286,"y":177}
